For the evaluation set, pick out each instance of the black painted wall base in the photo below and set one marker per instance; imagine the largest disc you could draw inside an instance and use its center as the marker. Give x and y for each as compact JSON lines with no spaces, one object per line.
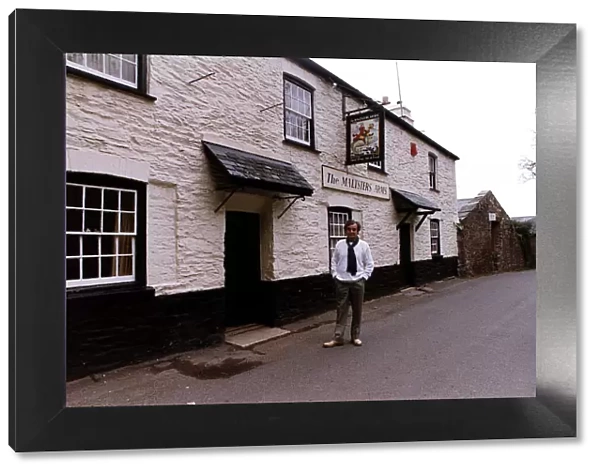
{"x":111,"y":328}
{"x":435,"y":269}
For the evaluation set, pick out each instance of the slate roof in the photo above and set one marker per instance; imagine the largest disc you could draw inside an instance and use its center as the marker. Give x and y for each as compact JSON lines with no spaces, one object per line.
{"x":465,"y":206}
{"x":400,"y":197}
{"x":252,"y":170}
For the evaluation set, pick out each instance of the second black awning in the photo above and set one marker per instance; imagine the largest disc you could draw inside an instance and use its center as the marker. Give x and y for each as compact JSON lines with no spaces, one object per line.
{"x":412,"y":204}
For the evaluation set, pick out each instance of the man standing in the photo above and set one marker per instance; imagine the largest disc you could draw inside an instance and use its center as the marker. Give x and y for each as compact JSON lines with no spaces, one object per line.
{"x":351,"y":265}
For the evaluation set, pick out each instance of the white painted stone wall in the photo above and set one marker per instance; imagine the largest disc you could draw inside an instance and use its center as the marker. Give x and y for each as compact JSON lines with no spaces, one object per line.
{"x":164,"y":138}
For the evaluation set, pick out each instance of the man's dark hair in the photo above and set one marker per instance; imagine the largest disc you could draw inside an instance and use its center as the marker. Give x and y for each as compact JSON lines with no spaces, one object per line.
{"x":351,"y":222}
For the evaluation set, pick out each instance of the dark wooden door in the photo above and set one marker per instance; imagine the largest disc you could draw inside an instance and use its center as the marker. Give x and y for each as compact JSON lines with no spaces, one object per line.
{"x":406,"y":264}
{"x":242,"y":268}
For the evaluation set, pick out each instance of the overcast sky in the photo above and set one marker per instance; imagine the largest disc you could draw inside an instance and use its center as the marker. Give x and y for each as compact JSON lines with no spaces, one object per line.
{"x":482,"y":112}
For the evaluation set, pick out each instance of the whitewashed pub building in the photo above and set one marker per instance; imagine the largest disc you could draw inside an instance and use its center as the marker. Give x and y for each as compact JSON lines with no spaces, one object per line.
{"x":207,"y":192}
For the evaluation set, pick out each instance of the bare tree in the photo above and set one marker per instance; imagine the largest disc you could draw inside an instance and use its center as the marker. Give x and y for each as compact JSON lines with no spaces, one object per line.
{"x":528,"y":164}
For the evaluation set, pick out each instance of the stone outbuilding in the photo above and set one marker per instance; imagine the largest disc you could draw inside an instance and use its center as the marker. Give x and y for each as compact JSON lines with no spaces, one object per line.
{"x":205,"y":193}
{"x":486,"y":236}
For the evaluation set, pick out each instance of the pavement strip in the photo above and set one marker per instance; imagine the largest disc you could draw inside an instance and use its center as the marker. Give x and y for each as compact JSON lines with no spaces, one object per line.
{"x":247,"y":336}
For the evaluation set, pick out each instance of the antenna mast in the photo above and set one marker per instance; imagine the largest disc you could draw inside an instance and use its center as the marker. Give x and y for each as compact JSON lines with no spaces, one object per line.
{"x":399,"y":92}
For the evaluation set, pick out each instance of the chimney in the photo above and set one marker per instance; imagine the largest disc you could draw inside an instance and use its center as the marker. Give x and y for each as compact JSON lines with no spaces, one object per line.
{"x":406,"y":116}
{"x":403,"y":113}
{"x":386,"y":100}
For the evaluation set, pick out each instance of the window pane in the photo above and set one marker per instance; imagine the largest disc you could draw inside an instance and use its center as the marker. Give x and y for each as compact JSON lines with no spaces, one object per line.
{"x":127,"y":222}
{"x":74,"y":220}
{"x":287,"y":93}
{"x":111,"y":199}
{"x":109,"y":223}
{"x":109,"y":267}
{"x":96,"y":62}
{"x":129,"y":72}
{"x":76,"y":57}
{"x":73,"y":268}
{"x":93,"y":198}
{"x":73,"y":248}
{"x":306,"y":136}
{"x":90,"y":268}
{"x":127,"y":200}
{"x":92,"y":220}
{"x":74,"y":196}
{"x":298,"y":106}
{"x":114,"y":66}
{"x":125,"y":265}
{"x":90,"y":245}
{"x":130,"y":57}
{"x":125,"y":245}
{"x":109,"y":245}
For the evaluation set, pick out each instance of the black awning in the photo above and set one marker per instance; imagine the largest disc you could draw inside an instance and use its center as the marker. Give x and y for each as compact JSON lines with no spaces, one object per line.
{"x":405,"y":201}
{"x":234,"y":168}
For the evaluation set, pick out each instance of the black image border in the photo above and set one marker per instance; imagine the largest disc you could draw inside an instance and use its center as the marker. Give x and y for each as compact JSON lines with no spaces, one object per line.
{"x":39,"y":420}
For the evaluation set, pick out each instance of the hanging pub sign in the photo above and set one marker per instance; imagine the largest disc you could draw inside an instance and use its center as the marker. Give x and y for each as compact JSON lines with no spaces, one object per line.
{"x":364,"y":135}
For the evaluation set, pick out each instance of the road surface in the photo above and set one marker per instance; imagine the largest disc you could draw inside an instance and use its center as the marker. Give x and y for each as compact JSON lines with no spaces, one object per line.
{"x":467,"y":339}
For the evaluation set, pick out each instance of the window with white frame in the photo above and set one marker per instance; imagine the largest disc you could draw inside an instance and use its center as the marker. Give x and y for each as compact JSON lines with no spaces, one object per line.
{"x":100,"y":235}
{"x":434,"y":226}
{"x":338,"y":216}
{"x":120,"y":68}
{"x":298,"y":113}
{"x":432,"y":172}
{"x":377,"y":165}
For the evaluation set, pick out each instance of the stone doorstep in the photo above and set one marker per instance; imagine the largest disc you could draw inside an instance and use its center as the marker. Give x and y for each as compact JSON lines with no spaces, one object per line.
{"x":251,"y":337}
{"x":241,"y":329}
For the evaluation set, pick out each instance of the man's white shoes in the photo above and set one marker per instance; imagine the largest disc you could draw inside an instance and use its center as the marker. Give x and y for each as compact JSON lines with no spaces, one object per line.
{"x":337,"y":343}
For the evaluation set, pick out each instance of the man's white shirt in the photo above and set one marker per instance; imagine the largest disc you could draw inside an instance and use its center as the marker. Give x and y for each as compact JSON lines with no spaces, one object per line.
{"x":364,"y":261}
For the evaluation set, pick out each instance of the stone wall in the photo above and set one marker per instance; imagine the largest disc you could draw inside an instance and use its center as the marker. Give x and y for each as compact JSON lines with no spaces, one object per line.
{"x":482,"y":253}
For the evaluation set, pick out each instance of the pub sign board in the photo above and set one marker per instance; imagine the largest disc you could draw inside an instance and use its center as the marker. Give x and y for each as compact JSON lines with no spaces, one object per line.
{"x":364,"y":137}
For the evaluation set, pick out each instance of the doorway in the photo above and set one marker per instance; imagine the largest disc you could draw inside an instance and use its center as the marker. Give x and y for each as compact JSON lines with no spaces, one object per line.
{"x":242,"y":269}
{"x":495,"y":247}
{"x":406,"y":266}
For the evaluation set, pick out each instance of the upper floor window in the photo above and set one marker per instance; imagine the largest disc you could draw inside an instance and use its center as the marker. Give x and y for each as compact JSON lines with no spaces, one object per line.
{"x":434,"y":226}
{"x":102,"y":237}
{"x":120,"y":68}
{"x":377,"y":165}
{"x":298,"y":106}
{"x":432,"y":172}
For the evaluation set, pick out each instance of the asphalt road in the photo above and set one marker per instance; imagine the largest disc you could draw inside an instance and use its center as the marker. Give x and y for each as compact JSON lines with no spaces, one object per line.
{"x":469,"y":339}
